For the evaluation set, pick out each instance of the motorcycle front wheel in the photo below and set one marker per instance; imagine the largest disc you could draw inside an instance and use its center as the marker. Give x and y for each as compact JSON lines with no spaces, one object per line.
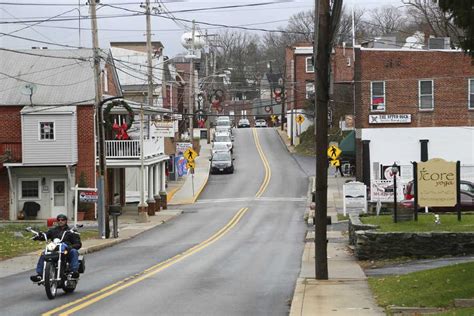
{"x":50,"y":283}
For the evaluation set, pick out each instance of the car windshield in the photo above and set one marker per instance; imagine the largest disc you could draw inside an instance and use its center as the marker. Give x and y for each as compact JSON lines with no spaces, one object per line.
{"x":260,"y":121}
{"x":223,"y":123}
{"x":244,"y":121}
{"x":222,"y":139}
{"x":221,"y":156}
{"x":219,"y":146}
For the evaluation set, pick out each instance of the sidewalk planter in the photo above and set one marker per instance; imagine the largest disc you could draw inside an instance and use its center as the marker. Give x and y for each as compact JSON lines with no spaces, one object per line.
{"x":370,"y":244}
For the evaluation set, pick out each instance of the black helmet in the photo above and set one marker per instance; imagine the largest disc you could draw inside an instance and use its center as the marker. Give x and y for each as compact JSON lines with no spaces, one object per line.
{"x":61,"y":216}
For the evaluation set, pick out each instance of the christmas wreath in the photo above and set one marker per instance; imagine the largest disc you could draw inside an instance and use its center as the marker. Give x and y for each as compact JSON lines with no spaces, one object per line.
{"x":119,"y":128}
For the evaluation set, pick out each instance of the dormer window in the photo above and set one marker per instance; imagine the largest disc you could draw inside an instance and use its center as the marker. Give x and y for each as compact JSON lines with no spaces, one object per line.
{"x":46,"y":130}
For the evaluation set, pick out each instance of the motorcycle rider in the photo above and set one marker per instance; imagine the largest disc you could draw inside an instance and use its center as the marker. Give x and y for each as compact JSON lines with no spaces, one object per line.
{"x":73,"y":242}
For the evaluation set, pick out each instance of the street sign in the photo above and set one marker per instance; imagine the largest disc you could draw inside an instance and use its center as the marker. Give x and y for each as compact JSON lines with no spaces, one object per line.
{"x":191,"y":165}
{"x":274,"y":118}
{"x":190,"y":154}
{"x":335,"y":162}
{"x":299,"y":119}
{"x":88,"y":197}
{"x":334,"y":152}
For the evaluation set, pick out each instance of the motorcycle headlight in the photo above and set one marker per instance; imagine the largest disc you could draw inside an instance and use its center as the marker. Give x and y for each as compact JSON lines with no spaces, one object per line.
{"x":51,"y":246}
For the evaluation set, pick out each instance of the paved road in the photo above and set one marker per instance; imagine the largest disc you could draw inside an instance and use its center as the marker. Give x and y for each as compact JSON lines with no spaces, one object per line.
{"x":235,"y":252}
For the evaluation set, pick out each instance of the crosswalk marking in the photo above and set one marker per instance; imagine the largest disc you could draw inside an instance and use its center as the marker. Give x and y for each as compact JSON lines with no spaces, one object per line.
{"x":252,"y":199}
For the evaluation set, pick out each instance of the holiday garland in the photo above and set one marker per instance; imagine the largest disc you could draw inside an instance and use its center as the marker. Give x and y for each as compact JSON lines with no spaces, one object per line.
{"x":130,"y":118}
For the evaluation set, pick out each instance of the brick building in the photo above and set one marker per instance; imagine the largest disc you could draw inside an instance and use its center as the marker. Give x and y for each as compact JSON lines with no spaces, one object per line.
{"x":413,"y":105}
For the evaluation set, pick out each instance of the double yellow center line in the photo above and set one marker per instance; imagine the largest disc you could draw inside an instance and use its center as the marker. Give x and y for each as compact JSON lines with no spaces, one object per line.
{"x":92,"y":298}
{"x":77,"y":305}
{"x":266,"y":165}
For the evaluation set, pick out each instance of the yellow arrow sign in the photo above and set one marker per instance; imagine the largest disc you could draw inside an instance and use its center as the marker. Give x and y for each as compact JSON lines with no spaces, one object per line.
{"x":190,"y":165}
{"x":299,"y":119}
{"x":334,"y":152}
{"x":190,"y":154}
{"x":335,"y":163}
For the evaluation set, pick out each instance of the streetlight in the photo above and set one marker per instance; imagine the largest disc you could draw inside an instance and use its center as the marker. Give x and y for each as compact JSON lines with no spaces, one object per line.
{"x":394,"y":174}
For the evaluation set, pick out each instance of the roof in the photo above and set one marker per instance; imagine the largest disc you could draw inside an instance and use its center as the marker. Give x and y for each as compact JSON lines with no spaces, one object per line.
{"x":38,"y":110}
{"x":59,"y":77}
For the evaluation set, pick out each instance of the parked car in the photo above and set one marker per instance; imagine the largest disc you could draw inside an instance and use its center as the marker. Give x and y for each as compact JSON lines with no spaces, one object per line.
{"x":260,"y":123}
{"x":243,"y":123}
{"x":466,"y":192}
{"x":225,"y":139}
{"x":222,"y":161}
{"x":219,"y":147}
{"x":224,"y":125}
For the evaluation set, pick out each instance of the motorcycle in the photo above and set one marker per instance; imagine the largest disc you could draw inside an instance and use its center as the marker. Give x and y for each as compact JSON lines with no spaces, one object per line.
{"x":56,"y":270}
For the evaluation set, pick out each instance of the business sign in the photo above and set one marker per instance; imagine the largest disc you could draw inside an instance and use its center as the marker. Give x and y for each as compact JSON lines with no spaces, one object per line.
{"x":355,"y":197}
{"x":382,"y":190}
{"x":182,"y":147}
{"x":88,"y":197}
{"x":437,"y":180}
{"x":163,"y":129}
{"x":389,"y":118}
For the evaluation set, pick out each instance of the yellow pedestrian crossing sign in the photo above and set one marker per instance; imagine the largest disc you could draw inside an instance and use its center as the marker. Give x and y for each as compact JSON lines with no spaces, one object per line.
{"x":274,"y":118}
{"x":335,"y":162}
{"x":190,"y":165}
{"x":299,"y":119}
{"x":334,"y":152}
{"x":190,"y":154}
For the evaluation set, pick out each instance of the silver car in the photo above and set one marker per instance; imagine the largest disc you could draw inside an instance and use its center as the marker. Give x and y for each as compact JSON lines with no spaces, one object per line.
{"x":224,"y":139}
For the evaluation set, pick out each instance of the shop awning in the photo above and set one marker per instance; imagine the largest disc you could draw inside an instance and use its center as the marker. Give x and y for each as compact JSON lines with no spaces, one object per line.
{"x":347,"y":145}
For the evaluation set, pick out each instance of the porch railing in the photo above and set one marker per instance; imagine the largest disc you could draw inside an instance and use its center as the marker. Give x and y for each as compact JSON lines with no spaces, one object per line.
{"x":130,"y":149}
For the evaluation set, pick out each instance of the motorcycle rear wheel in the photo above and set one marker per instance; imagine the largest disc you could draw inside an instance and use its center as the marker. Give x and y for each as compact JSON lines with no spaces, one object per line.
{"x":50,"y":283}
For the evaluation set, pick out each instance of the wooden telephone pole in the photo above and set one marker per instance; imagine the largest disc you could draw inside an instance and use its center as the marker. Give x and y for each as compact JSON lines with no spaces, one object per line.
{"x":325,"y":26}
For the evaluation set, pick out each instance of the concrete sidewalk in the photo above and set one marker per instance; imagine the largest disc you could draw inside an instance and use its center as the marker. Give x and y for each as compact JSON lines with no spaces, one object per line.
{"x":193,"y":185}
{"x":346,"y":292}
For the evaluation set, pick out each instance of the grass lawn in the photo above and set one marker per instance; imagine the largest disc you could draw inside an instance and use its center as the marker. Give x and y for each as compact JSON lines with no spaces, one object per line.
{"x":430,"y":288}
{"x":11,"y":246}
{"x":425,"y":223}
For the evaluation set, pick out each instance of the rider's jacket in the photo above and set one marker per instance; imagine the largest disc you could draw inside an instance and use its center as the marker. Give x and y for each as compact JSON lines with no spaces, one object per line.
{"x":71,"y":239}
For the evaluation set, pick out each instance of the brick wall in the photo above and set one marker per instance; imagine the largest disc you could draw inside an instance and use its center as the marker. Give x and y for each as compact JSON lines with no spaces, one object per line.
{"x":296,"y":76}
{"x":401,"y":70}
{"x":11,"y":120}
{"x":85,"y":143}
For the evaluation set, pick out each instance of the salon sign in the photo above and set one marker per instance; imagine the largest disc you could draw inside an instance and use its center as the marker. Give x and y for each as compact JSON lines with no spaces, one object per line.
{"x":437,"y":181}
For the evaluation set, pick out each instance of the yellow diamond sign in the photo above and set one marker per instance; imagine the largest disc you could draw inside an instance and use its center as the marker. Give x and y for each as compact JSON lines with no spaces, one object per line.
{"x":190,"y":154}
{"x":299,"y":119}
{"x":190,"y":165}
{"x":335,"y":163}
{"x":334,"y":152}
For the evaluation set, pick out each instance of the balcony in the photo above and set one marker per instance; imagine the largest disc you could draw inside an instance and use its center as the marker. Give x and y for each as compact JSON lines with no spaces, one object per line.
{"x":130,"y":149}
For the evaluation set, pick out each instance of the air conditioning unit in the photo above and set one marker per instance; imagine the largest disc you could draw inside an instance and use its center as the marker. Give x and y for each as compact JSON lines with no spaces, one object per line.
{"x":439,"y":43}
{"x":349,"y":62}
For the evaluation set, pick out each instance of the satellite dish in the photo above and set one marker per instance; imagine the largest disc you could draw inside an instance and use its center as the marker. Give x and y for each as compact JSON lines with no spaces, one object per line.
{"x":29,"y":89}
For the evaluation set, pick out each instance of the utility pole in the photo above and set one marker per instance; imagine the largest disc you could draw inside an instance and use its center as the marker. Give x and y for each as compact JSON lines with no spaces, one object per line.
{"x":321,"y":57}
{"x":142,"y":206}
{"x":191,"y":87}
{"x":102,"y":215}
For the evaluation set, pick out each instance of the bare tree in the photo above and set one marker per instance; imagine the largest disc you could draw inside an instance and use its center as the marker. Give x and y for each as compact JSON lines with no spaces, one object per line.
{"x":387,"y":20}
{"x":430,"y":18}
{"x":344,"y":32}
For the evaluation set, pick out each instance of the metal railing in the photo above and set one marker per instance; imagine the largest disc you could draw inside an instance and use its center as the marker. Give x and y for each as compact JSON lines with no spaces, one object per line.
{"x":130,"y":149}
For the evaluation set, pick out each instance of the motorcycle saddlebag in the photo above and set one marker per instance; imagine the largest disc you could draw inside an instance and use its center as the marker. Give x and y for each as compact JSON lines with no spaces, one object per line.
{"x":82,"y":264}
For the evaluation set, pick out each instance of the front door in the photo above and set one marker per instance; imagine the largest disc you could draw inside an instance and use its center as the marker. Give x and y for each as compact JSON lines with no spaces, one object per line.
{"x":58,"y":197}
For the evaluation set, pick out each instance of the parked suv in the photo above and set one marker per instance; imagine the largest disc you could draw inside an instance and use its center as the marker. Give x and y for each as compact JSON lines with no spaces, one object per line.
{"x":467,"y":198}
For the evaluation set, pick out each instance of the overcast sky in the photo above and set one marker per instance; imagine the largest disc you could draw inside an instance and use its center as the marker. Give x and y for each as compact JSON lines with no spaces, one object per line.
{"x":125,"y":27}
